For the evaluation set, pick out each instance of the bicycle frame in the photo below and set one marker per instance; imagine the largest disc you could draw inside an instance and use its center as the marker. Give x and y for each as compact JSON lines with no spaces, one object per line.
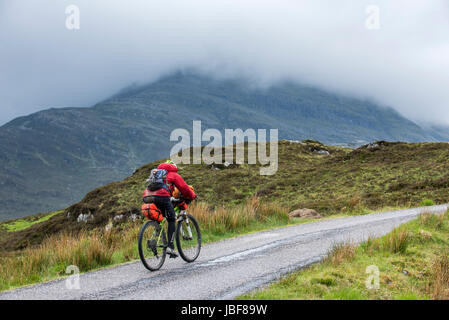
{"x":187,"y":229}
{"x":181,"y":216}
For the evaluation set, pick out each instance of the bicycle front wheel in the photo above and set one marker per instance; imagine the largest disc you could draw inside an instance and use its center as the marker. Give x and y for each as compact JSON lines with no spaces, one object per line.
{"x":188,"y":238}
{"x":152,"y":245}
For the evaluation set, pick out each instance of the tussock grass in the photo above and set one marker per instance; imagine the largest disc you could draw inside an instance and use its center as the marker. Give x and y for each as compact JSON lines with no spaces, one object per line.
{"x":432,"y":221}
{"x":223,"y":219}
{"x":413,"y":262}
{"x":397,"y":241}
{"x":89,"y":250}
{"x":438,"y":287}
{"x":86,"y":250}
{"x":341,"y":253}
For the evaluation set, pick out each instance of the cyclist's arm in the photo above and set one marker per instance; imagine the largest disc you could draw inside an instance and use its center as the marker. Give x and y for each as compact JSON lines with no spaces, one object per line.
{"x":182,"y":186}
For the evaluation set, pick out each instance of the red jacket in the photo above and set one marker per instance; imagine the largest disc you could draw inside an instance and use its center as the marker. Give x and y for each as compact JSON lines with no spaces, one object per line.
{"x":174,"y":180}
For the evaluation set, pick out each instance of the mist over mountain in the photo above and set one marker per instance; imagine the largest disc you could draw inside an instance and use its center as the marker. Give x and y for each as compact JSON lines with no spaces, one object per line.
{"x":51,"y":158}
{"x":324,"y":43}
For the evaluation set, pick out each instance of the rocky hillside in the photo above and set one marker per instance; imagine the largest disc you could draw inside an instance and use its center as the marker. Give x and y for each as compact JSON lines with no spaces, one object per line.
{"x":50,"y":159}
{"x":327,"y":179}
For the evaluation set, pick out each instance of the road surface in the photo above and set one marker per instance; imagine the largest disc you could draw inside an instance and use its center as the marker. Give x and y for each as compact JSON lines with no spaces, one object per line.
{"x":227,"y":268}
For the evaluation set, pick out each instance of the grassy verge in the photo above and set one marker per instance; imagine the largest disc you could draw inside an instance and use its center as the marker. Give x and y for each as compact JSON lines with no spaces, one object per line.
{"x":90,"y":250}
{"x":412,"y":260}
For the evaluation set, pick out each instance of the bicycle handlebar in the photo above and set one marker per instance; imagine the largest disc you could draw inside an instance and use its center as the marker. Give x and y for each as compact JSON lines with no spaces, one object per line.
{"x":173,"y":199}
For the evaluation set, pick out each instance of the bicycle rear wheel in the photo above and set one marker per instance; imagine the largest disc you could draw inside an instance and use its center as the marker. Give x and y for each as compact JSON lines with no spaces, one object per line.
{"x":188,"y":238}
{"x":152,"y":245}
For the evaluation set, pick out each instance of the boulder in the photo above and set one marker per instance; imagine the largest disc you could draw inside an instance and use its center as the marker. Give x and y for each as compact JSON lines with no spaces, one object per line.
{"x":304,"y":213}
{"x":373,"y":145}
{"x":108,"y":227}
{"x":297,"y":142}
{"x":322,"y":152}
{"x":84,"y":217}
{"x":118,"y":217}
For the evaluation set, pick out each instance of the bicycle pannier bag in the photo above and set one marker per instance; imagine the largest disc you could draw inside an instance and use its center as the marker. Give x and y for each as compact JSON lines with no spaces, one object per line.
{"x":151,"y":212}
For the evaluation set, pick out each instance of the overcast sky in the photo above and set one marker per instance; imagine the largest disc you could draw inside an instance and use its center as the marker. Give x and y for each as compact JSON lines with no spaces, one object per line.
{"x":403,"y":64}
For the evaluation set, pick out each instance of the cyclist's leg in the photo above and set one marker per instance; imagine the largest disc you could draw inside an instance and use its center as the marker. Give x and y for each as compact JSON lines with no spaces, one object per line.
{"x":171,"y":219}
{"x":164,"y":204}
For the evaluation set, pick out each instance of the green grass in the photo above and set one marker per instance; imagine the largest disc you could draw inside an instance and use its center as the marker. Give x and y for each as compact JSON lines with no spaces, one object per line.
{"x":412,"y":260}
{"x":25,"y":223}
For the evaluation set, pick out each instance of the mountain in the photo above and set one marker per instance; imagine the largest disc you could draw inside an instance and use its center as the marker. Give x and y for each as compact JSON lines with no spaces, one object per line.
{"x":51,"y":158}
{"x":438,"y":132}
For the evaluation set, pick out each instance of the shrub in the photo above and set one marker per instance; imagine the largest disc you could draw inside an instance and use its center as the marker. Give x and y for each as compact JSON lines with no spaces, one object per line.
{"x":328,"y":282}
{"x":397,"y":241}
{"x":355,"y":201}
{"x":427,"y":203}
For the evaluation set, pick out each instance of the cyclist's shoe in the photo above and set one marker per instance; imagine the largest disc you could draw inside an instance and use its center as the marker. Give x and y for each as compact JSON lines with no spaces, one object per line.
{"x":171,"y":252}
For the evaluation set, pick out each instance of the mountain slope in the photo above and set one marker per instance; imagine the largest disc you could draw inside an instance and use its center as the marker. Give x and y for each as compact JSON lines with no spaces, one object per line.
{"x":52,"y":158}
{"x":345,"y":181}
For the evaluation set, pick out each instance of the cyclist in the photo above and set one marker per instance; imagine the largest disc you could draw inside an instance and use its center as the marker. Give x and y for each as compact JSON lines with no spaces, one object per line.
{"x":162,"y":199}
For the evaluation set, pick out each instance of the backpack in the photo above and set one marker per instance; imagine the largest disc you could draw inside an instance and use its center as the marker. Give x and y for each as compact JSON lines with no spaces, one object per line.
{"x":158,"y":180}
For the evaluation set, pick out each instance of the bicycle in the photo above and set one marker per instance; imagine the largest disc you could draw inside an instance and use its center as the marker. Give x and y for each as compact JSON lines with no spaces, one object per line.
{"x":153,"y":244}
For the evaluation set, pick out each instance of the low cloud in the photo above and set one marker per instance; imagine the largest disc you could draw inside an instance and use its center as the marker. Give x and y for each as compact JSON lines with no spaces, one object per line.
{"x":403,"y":64}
